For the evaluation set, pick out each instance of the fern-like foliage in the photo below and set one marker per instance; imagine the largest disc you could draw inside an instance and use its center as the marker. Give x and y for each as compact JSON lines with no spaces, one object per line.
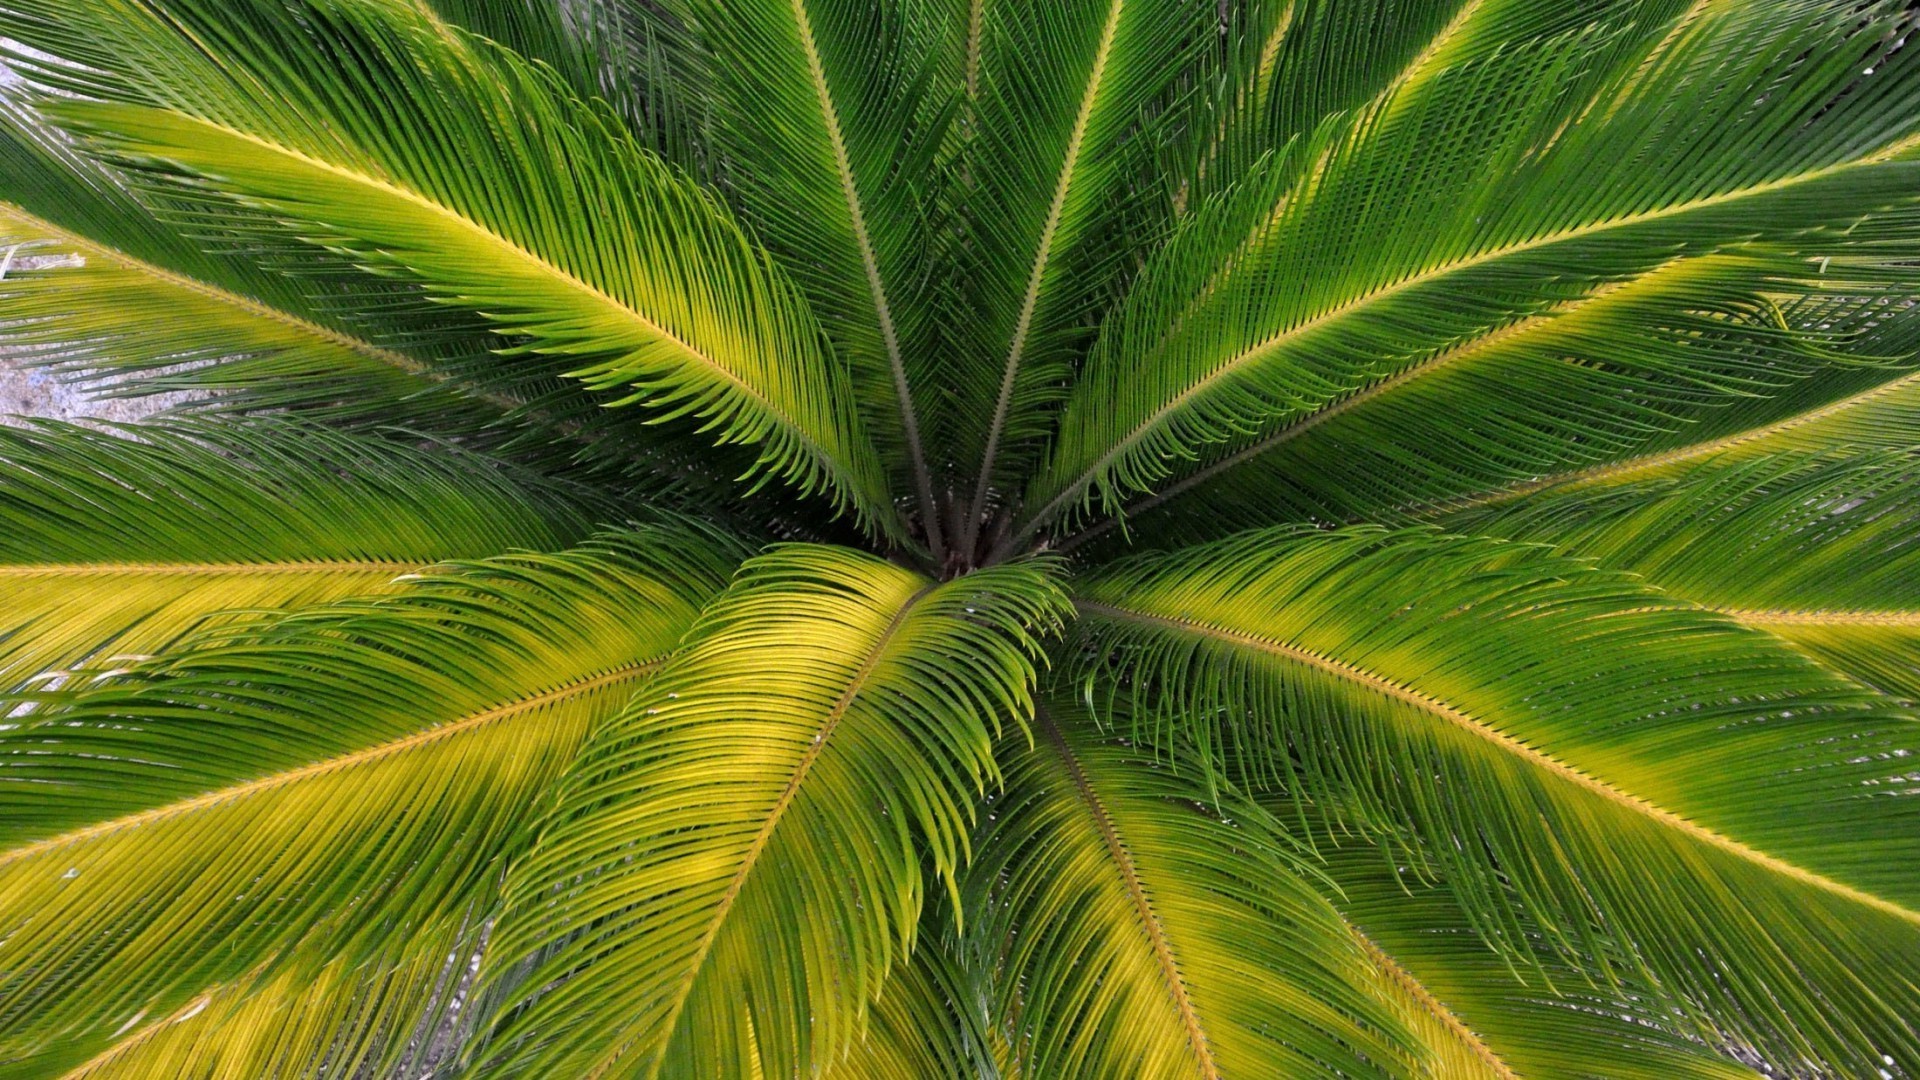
{"x":962,"y":538}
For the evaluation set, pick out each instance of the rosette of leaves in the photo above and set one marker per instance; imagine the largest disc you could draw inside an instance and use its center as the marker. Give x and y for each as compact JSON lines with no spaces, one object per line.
{"x":962,"y":538}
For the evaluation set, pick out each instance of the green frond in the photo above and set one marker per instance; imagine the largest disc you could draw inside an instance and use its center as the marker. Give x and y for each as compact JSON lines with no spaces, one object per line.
{"x":92,"y":308}
{"x":636,"y":277}
{"x":1868,"y":404}
{"x":1397,"y":231}
{"x":1685,"y":353}
{"x":1516,"y":403}
{"x":328,"y":1016}
{"x":637,"y":58}
{"x":124,"y":305}
{"x":1566,"y":744}
{"x":1135,"y":933}
{"x":578,"y":41}
{"x":319,"y":785}
{"x":932,"y":1018}
{"x":1292,"y":63}
{"x":1060,"y":193}
{"x":1450,"y":1048}
{"x":116,"y":541}
{"x":661,"y":79}
{"x":829,"y":118}
{"x":1787,"y":532}
{"x":1815,"y":548}
{"x":743,"y":848}
{"x":1880,"y":649}
{"x":1480,"y":1016}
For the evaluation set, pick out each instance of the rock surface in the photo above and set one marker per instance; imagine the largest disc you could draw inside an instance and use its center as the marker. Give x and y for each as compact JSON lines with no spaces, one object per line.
{"x":26,"y":392}
{"x":29,"y":391}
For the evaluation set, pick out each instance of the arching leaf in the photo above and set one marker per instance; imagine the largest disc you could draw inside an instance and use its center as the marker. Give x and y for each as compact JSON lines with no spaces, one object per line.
{"x":828,"y":116}
{"x":932,"y":1019}
{"x":743,"y":849}
{"x":1135,"y":932}
{"x":636,"y":277}
{"x":1683,"y":354}
{"x":1819,"y":549}
{"x":1485,"y":1018}
{"x":1589,"y":166}
{"x":1061,"y":140}
{"x":123,"y":304}
{"x":117,"y":541}
{"x":1871,"y":405}
{"x":1566,"y":744}
{"x":346,"y":777}
{"x":322,"y":1015}
{"x":1293,"y":63}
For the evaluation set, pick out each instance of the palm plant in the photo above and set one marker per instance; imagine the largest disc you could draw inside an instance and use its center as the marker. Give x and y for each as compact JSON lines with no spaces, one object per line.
{"x":1102,"y":538}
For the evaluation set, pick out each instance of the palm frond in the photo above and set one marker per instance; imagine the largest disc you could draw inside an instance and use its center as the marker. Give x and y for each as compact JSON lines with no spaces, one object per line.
{"x":1481,"y":1016}
{"x":636,"y":277}
{"x":1873,"y":406}
{"x":662,"y":81}
{"x":322,"y":1014}
{"x":827,"y":118}
{"x":1134,"y":933}
{"x":123,"y":305}
{"x":116,"y":541}
{"x":97,"y":314}
{"x":1060,"y":135}
{"x":1815,"y":548}
{"x":1515,"y":401}
{"x":1685,"y":354}
{"x":1288,"y":65}
{"x":1604,"y":152}
{"x":578,"y":41}
{"x":345,"y":777}
{"x":933,"y":1019}
{"x":1566,"y":744}
{"x":743,"y":849}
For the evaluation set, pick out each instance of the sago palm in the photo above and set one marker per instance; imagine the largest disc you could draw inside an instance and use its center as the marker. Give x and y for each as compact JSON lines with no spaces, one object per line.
{"x":928,"y":538}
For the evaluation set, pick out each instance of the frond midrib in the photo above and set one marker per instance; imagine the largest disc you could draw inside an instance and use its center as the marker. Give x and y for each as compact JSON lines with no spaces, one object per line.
{"x":213,"y":569}
{"x":543,"y":267}
{"x":1820,"y":616}
{"x":328,"y":766}
{"x":1432,"y":1005}
{"x":1031,"y":297}
{"x":883,"y":309}
{"x":683,"y":990}
{"x":1418,"y":65}
{"x":1129,"y":876}
{"x":1269,"y":58}
{"x":1538,"y":759}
